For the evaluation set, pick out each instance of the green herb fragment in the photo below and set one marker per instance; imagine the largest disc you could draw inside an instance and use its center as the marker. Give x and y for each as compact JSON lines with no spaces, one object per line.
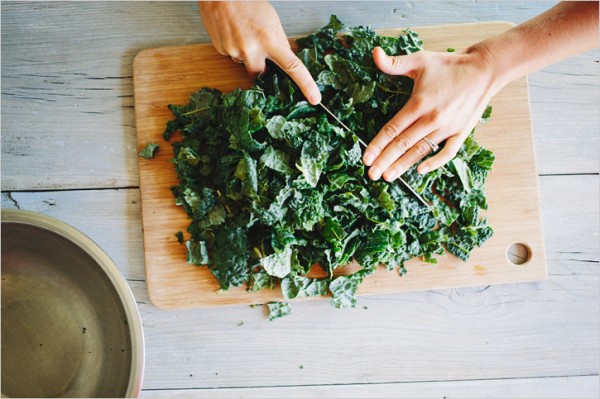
{"x":450,"y":50}
{"x":278,"y":309}
{"x":487,"y":113}
{"x":179,"y":236}
{"x":274,"y":187}
{"x":149,"y":151}
{"x":197,"y":253}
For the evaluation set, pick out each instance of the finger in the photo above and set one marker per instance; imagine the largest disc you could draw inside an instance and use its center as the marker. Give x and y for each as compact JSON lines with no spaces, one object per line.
{"x":400,"y":145}
{"x":451,"y":147}
{"x":444,"y":156}
{"x":219,"y":48}
{"x":406,"y":117}
{"x":255,"y":65}
{"x":218,"y":44}
{"x":296,"y":70}
{"x":417,"y":152}
{"x":396,"y":65}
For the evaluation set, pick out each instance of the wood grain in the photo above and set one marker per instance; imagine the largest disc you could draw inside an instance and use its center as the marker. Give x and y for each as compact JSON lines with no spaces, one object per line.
{"x":170,"y":75}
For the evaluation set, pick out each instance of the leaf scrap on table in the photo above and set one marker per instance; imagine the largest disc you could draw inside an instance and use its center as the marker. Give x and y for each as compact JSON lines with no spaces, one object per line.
{"x":149,"y":151}
{"x":273,"y":186}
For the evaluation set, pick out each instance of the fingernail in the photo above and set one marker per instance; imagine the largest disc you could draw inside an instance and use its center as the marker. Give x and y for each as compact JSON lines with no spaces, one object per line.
{"x":315,"y":99}
{"x":422,"y":169}
{"x":375,"y":173}
{"x":368,"y":158}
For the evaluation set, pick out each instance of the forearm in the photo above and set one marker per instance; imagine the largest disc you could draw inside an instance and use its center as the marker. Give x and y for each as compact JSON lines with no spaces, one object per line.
{"x":567,"y":29}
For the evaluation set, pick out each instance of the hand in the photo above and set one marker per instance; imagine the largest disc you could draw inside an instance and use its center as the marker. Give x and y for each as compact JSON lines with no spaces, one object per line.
{"x":252,"y":32}
{"x":450,"y":93}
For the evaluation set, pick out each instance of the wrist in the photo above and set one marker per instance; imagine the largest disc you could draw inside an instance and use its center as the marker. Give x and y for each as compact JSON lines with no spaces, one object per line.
{"x":483,"y":57}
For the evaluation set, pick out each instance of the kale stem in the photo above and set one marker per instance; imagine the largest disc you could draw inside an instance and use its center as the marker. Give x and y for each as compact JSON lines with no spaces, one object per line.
{"x":224,"y":204}
{"x":258,"y":253}
{"x":194,"y":111}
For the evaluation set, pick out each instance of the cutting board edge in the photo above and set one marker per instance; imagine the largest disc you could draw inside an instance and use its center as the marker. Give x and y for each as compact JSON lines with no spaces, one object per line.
{"x":255,"y":300}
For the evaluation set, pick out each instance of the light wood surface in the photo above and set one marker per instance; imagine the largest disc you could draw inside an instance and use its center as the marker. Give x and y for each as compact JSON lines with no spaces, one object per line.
{"x":169,"y":75}
{"x":69,"y":150}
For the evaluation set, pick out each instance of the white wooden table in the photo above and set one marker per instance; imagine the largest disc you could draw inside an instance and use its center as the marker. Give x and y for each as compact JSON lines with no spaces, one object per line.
{"x":68,"y":150}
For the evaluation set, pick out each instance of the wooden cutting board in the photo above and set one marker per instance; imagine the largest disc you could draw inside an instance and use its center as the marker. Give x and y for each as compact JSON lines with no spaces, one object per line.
{"x":170,"y":74}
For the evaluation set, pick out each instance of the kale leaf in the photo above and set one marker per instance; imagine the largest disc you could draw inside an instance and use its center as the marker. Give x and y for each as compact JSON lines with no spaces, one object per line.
{"x":278,"y":309}
{"x":149,"y":151}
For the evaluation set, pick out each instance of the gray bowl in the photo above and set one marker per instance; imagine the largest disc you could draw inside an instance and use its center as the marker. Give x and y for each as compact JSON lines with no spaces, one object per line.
{"x":70,"y":324}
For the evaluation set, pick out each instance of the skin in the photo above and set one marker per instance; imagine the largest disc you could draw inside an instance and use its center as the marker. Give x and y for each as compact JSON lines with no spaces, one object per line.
{"x":252,"y":32}
{"x":451,"y":90}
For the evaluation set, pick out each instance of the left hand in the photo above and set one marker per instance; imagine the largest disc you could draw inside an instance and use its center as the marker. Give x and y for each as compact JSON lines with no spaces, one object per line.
{"x":450,"y":93}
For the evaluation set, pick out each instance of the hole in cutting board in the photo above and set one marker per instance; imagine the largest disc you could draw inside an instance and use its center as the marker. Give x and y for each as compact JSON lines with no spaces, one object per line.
{"x":518,"y":253}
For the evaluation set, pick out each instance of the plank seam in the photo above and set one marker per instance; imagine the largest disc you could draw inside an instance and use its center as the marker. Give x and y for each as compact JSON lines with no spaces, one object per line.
{"x":53,"y":190}
{"x":367,"y":383}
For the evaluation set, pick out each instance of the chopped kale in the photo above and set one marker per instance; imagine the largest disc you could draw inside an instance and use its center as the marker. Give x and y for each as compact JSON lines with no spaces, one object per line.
{"x":149,"y":151}
{"x":273,"y":186}
{"x":278,"y":309}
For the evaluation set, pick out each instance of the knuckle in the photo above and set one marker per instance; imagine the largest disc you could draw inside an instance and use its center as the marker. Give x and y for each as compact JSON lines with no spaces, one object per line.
{"x":421,"y":149}
{"x":435,"y":117}
{"x":417,"y":102}
{"x":401,"y":143}
{"x":293,"y":64}
{"x":395,"y":62}
{"x":390,"y":131}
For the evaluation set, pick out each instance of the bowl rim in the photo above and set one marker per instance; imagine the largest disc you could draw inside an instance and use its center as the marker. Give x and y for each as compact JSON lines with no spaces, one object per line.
{"x":113,"y":273}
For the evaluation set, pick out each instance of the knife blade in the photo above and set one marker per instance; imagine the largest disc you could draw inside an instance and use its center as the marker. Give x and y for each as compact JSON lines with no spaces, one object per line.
{"x":365,"y":145}
{"x":341,"y":123}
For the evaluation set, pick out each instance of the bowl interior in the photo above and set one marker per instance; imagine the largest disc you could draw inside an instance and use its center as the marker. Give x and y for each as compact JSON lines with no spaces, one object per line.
{"x":64,"y":330}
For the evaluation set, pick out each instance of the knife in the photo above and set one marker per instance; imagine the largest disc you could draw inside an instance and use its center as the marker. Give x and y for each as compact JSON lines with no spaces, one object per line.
{"x":365,"y":145}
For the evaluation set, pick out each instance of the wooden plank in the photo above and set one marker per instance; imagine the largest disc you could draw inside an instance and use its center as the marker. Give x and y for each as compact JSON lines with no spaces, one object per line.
{"x":67,"y":82}
{"x":569,"y":88}
{"x":466,"y":333}
{"x":553,"y":387}
{"x":169,"y":75}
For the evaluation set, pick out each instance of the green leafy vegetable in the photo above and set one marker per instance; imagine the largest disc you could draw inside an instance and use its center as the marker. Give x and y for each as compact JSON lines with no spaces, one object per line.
{"x":149,"y":151}
{"x":278,"y":309}
{"x":274,"y":187}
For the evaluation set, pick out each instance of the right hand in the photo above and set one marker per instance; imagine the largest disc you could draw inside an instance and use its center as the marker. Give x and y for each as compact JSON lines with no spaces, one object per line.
{"x":252,"y":32}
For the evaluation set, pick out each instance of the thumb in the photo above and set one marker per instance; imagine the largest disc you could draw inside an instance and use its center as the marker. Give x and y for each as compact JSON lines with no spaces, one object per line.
{"x":396,"y":65}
